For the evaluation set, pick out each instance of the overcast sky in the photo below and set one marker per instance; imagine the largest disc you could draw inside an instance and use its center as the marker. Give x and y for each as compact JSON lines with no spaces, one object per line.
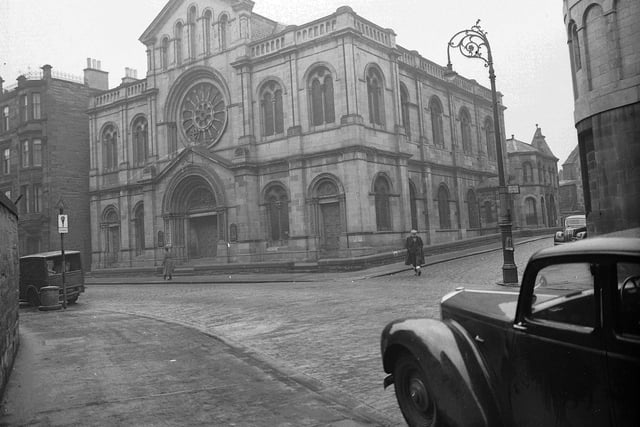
{"x":527,"y":39}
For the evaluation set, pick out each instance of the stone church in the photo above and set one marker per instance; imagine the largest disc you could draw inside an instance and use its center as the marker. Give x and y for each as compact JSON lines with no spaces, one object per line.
{"x":253,"y":141}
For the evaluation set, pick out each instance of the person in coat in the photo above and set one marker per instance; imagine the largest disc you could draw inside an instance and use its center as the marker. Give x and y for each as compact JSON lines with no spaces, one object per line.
{"x":167,"y":264}
{"x":415,"y":255}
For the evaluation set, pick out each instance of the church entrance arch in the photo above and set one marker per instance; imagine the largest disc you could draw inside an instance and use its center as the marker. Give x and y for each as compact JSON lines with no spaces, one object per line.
{"x":195,"y":221}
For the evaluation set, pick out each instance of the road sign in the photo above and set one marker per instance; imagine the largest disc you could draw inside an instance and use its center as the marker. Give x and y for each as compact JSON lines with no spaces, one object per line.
{"x":63,"y":224}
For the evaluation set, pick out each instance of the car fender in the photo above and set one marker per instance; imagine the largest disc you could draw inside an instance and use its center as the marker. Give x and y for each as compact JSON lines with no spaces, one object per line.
{"x":457,"y":376}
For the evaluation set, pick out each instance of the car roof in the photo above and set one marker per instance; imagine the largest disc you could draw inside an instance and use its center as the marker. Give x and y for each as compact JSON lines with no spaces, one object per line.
{"x":49,"y":254}
{"x":576,"y":216}
{"x":594,"y":245}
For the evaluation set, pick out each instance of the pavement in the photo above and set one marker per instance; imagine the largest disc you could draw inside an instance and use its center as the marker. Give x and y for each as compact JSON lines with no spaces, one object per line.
{"x":90,"y":367}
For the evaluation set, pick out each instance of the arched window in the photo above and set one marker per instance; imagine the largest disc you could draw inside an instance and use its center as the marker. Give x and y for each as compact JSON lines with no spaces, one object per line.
{"x":321,"y":95}
{"x":404,"y":103}
{"x":277,"y":202}
{"x":527,"y":173}
{"x":223,"y":24}
{"x":443,"y":208}
{"x":382,"y":191}
{"x":472,"y":209}
{"x":540,"y":174}
{"x":531,"y":215}
{"x":191,"y":21}
{"x":488,"y":212}
{"x":543,"y":211}
{"x":436,"y":122}
{"x":138,"y":226}
{"x":413,"y":205}
{"x":375,"y":87}
{"x":164,"y":53}
{"x":574,"y":46}
{"x":140,"y":141}
{"x":207,"y":19}
{"x":178,"y":43}
{"x":491,"y":138}
{"x":109,"y":148}
{"x":465,"y":130}
{"x":271,"y":109}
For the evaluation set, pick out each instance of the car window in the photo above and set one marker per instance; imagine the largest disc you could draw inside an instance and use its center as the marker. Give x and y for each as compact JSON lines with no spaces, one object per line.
{"x":628,"y":307}
{"x":564,"y":294}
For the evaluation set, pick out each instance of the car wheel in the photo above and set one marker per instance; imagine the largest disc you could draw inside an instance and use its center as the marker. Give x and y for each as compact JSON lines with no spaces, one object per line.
{"x":72,"y":300}
{"x":414,"y":398}
{"x":33,"y":297}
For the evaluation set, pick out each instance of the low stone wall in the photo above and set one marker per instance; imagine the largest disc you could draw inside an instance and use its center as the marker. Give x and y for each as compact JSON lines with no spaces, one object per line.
{"x":9,"y":277}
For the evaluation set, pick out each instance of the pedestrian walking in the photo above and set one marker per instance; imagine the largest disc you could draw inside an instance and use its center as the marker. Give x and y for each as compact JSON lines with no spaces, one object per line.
{"x":415,"y":255}
{"x":167,"y":264}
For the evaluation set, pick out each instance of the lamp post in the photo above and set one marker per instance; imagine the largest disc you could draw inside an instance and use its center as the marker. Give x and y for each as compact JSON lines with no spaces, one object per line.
{"x":471,"y":43}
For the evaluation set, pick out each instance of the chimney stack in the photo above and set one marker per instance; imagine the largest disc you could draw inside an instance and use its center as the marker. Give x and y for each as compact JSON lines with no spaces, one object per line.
{"x":130,"y":75}
{"x":94,"y":77}
{"x":46,"y":72}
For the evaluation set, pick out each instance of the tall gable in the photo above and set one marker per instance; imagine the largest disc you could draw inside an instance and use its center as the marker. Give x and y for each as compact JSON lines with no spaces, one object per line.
{"x":176,"y":10}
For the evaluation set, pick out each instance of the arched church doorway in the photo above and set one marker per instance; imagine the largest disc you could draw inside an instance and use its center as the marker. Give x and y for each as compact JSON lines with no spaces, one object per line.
{"x":194,"y":222}
{"x":329,"y":203}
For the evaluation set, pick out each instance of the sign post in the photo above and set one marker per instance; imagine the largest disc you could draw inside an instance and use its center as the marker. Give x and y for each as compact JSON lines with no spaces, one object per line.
{"x":63,"y":228}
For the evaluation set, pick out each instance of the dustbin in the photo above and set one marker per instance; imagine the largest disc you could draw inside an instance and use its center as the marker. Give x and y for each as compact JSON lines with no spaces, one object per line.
{"x":49,"y":298}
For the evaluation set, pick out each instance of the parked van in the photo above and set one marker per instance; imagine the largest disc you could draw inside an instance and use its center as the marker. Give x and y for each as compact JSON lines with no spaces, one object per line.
{"x":45,"y":269}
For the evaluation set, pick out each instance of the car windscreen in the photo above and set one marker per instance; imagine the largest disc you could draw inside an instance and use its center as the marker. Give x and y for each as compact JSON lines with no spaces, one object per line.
{"x":576,"y":222}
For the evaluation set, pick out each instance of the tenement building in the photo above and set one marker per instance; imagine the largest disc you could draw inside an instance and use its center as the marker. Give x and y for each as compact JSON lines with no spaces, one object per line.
{"x":604,"y":46}
{"x":44,"y":157}
{"x":534,"y":169}
{"x":254,"y":141}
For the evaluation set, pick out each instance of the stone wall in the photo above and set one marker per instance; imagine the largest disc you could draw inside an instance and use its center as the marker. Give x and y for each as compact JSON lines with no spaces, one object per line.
{"x":9,"y":272}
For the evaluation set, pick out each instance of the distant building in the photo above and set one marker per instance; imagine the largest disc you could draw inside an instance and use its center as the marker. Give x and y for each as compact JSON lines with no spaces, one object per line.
{"x":604,"y":43}
{"x":253,"y":141}
{"x":534,"y":168}
{"x":571,"y":196}
{"x":44,"y":158}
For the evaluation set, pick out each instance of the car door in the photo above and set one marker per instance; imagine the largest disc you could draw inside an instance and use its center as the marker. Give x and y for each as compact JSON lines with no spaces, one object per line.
{"x":559,"y":361}
{"x":622,"y":319}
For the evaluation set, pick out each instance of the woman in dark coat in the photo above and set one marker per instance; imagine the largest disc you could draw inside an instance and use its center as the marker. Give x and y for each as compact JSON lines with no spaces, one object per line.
{"x":167,"y":264}
{"x":415,"y":255}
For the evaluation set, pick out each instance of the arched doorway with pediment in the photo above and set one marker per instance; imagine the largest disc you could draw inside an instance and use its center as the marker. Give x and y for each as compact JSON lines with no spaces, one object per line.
{"x":194,"y":219}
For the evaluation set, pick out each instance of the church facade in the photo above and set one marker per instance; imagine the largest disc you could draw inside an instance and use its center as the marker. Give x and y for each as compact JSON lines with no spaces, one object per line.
{"x":252,"y":141}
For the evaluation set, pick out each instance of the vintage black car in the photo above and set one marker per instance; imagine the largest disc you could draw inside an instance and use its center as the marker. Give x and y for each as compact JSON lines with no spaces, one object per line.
{"x":575,"y":228}
{"x":563,"y":351}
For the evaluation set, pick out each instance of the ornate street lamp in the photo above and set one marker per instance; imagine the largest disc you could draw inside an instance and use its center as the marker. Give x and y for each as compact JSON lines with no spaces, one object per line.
{"x":471,"y":43}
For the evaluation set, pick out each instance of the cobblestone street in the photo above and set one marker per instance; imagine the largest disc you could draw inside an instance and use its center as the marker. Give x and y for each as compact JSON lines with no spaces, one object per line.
{"x":326,"y":335}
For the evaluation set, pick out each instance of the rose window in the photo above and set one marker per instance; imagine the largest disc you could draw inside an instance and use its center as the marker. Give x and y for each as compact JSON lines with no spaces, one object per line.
{"x":204,"y":114}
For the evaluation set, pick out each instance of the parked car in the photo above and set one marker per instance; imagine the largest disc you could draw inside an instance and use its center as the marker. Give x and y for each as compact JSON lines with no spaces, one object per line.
{"x":562,"y":350}
{"x":575,"y":228}
{"x":45,"y":269}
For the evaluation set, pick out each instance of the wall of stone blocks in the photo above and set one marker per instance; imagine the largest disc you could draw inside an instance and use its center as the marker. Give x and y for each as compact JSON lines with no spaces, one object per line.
{"x":9,"y":282}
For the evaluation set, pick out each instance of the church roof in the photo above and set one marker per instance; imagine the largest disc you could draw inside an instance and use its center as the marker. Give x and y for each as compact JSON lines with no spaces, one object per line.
{"x":538,"y":145}
{"x":573,"y":156}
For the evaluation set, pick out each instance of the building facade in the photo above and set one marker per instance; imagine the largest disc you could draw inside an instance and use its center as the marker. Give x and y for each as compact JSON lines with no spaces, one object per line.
{"x":604,"y":46}
{"x":534,"y":168}
{"x":252,"y":141}
{"x":45,"y":158}
{"x":571,"y":194}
